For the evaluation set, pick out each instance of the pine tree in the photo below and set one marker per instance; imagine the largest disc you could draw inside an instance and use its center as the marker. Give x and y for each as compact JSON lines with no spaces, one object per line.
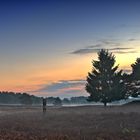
{"x":104,"y":84}
{"x":136,"y":70}
{"x":134,"y":83}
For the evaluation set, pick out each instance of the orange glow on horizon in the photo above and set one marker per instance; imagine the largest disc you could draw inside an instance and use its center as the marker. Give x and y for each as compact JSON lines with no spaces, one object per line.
{"x":77,"y":67}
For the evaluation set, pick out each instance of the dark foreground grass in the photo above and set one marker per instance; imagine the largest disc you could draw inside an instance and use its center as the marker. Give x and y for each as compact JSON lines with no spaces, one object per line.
{"x":71,"y":123}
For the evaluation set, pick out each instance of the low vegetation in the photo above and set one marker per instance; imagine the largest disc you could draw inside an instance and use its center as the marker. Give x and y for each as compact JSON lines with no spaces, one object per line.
{"x":70,"y":123}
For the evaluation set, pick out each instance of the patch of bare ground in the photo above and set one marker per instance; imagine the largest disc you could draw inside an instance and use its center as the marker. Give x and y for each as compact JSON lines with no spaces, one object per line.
{"x":70,"y":123}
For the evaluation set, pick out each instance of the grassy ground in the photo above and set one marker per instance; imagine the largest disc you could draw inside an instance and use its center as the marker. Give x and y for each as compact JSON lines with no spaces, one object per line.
{"x":70,"y":123}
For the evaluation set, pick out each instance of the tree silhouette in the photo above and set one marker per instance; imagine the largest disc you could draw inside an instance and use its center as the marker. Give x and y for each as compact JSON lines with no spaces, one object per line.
{"x":18,"y":98}
{"x":104,"y":84}
{"x":26,"y":99}
{"x":57,"y":102}
{"x":66,"y":101}
{"x":133,"y":85}
{"x":136,"y":70}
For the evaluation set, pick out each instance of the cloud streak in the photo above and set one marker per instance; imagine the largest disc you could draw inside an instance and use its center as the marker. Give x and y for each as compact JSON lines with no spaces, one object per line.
{"x":95,"y":50}
{"x":64,"y":88}
{"x":132,"y":39}
{"x":110,"y":45}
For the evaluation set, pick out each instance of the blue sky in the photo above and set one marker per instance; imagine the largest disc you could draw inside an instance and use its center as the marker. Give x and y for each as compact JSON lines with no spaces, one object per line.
{"x":43,"y":43}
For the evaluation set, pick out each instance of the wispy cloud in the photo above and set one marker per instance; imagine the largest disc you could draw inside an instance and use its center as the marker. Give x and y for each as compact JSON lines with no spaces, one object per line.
{"x":114,"y":50}
{"x":122,"y":26}
{"x":124,"y":52}
{"x":64,"y":88}
{"x":111,"y":45}
{"x":94,"y":46}
{"x":131,"y":39}
{"x":85,"y":51}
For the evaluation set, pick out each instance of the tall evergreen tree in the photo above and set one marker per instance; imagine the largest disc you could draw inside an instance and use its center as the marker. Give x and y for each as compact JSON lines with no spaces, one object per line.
{"x":134,"y":82}
{"x":104,"y":84}
{"x":136,"y":70}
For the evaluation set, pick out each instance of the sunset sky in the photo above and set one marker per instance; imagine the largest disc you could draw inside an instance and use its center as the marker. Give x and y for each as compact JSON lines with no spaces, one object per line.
{"x":46,"y":46}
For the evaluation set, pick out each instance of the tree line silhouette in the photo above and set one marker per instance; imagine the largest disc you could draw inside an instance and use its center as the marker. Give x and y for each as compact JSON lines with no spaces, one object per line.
{"x":27,"y":99}
{"x":18,"y":98}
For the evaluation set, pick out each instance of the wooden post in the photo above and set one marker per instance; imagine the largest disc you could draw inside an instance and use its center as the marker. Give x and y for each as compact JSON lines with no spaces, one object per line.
{"x":44,"y":105}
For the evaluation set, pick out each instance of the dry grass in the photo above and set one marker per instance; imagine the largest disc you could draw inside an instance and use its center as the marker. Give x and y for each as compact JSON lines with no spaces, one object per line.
{"x":70,"y":123}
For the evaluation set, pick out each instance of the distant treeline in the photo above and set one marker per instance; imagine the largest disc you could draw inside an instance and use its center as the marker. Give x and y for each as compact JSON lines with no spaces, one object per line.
{"x":27,"y":99}
{"x":18,"y":98}
{"x":72,"y":100}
